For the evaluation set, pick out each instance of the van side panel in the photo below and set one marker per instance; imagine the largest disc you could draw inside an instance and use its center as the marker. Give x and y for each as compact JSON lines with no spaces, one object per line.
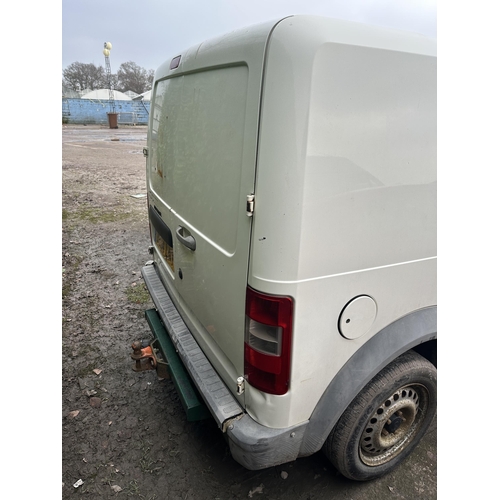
{"x":371,"y":160}
{"x":345,"y":193}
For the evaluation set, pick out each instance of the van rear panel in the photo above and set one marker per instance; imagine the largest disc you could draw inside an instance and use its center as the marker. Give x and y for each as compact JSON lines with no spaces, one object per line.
{"x":191,"y":145}
{"x":201,"y":167}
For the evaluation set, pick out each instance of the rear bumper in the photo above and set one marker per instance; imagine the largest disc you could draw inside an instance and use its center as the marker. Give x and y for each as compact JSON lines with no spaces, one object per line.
{"x":252,"y":445}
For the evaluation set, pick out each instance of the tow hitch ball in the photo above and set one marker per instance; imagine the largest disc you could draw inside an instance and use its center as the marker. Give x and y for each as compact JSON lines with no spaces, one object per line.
{"x":146,"y":359}
{"x":143,"y":357}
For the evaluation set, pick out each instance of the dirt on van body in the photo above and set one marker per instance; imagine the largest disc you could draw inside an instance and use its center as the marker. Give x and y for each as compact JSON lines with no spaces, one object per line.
{"x":124,"y":433}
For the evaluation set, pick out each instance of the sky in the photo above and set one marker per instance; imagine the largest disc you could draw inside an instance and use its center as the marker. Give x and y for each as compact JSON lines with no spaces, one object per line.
{"x":152,"y":31}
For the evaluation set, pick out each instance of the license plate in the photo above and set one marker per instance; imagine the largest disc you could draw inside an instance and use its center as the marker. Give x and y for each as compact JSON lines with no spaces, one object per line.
{"x":165,"y":250}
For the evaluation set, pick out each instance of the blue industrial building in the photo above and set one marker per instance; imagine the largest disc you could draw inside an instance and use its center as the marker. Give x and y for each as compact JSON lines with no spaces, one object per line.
{"x":94,"y":111}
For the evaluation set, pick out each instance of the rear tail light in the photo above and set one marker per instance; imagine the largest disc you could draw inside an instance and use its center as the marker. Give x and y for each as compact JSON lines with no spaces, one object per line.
{"x":268,"y":341}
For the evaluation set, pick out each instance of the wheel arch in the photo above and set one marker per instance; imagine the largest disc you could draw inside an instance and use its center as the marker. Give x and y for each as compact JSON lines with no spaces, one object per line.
{"x":417,"y":330}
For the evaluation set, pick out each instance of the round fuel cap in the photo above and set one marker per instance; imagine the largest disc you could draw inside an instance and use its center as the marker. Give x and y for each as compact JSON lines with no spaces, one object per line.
{"x":357,"y":317}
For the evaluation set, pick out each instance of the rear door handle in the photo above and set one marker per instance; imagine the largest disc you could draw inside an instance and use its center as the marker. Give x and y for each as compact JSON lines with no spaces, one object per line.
{"x":186,"y":239}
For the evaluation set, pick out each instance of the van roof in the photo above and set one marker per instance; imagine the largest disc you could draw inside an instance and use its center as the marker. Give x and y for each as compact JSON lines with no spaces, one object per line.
{"x":325,"y":29}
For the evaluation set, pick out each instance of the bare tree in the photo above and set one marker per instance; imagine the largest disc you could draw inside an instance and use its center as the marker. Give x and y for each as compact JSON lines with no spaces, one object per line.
{"x":151,"y":77}
{"x":133,"y":77}
{"x":79,"y":76}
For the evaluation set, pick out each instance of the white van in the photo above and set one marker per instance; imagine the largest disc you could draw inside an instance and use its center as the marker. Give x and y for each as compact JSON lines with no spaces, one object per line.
{"x":291,"y":175}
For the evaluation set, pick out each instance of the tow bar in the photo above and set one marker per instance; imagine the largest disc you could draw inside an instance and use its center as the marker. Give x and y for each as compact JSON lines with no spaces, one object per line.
{"x":161,"y":355}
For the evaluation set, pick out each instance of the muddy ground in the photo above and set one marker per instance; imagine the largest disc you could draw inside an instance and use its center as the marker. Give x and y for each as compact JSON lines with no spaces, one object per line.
{"x":125,"y":434}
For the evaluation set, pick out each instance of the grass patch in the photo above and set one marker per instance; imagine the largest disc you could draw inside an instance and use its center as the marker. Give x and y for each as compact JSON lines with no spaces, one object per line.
{"x":138,"y":294}
{"x":133,"y":490}
{"x":146,"y":462}
{"x":96,"y":215}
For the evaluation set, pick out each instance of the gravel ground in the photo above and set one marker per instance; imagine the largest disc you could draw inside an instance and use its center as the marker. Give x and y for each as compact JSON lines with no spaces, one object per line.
{"x":125,"y":434}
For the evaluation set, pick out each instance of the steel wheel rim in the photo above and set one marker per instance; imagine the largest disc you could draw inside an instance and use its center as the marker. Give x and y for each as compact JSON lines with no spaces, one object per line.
{"x":393,"y":425}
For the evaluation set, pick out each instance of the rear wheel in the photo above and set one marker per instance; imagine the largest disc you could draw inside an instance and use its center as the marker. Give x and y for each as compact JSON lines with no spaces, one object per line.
{"x":386,"y":420}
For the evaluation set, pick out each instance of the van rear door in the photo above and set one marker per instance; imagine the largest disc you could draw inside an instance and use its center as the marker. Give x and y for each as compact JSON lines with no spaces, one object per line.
{"x":201,"y":167}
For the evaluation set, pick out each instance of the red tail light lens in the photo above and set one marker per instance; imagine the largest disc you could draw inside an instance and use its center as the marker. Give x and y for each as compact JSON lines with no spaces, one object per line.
{"x":268,"y":341}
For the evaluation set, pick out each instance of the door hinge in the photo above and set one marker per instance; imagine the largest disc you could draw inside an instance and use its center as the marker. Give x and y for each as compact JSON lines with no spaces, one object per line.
{"x":250,"y":204}
{"x":145,"y":151}
{"x":240,"y":385}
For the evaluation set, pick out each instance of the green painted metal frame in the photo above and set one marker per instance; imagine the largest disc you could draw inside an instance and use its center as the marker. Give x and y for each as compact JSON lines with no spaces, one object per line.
{"x":191,"y":401}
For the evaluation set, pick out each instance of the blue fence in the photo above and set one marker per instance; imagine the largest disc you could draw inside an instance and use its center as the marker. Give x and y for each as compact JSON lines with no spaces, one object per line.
{"x":88,"y":111}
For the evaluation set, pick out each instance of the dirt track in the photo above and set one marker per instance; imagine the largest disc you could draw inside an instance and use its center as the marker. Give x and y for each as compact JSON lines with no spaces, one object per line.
{"x":125,"y":433}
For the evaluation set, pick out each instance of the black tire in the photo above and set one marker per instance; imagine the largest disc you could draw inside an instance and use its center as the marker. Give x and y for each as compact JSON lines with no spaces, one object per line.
{"x":386,"y":420}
